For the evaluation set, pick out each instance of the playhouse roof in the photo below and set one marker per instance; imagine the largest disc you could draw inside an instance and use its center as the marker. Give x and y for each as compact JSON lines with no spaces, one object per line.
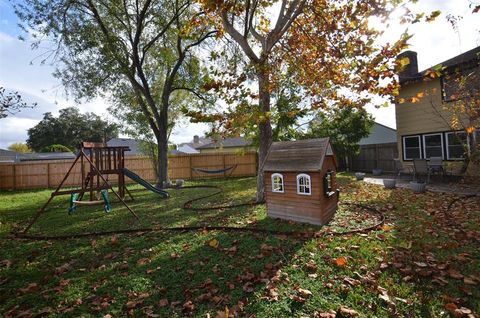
{"x":301,"y":155}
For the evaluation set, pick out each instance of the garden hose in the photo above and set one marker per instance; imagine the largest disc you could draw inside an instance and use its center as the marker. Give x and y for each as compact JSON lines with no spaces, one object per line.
{"x":188,"y":206}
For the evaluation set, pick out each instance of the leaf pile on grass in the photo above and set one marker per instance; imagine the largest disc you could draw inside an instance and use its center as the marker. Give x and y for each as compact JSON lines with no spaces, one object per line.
{"x":423,"y":262}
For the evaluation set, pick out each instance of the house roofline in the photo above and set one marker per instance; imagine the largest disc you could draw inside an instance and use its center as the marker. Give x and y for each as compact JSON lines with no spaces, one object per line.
{"x":392,"y":129}
{"x":463,"y":58}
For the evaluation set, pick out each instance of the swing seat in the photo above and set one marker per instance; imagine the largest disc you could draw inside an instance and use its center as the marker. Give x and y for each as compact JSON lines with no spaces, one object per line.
{"x":96,"y":202}
{"x":74,"y":202}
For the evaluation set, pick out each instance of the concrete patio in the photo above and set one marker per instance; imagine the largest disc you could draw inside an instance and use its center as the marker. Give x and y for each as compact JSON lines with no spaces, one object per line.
{"x":436,"y":184}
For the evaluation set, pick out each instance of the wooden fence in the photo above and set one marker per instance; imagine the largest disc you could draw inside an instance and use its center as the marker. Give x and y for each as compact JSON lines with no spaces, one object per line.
{"x":49,"y":173}
{"x":375,"y":156}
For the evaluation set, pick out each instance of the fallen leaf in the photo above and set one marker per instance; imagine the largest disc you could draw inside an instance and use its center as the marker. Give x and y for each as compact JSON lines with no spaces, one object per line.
{"x":421,"y":264}
{"x":188,"y":306}
{"x":386,"y":227}
{"x":305,"y":292}
{"x":213,"y":243}
{"x":450,"y":307}
{"x":327,"y":314}
{"x":248,"y":287}
{"x":143,"y":261}
{"x":345,"y":311}
{"x":341,"y":261}
{"x":163,"y":302}
{"x":454,"y":274}
{"x":223,"y":314}
{"x":29,"y":289}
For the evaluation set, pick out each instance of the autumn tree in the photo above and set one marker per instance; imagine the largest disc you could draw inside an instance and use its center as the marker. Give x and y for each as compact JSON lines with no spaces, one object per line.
{"x":104,"y":47}
{"x":12,"y":102}
{"x":20,"y":147}
{"x":345,"y":126}
{"x":328,"y":47}
{"x":458,"y":107}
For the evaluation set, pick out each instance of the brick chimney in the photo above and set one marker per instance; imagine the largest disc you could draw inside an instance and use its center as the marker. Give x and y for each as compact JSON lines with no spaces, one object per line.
{"x":410,"y":70}
{"x":196,"y":139}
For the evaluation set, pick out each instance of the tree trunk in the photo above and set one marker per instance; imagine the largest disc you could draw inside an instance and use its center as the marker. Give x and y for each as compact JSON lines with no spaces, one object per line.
{"x":265,"y":129}
{"x":162,"y":146}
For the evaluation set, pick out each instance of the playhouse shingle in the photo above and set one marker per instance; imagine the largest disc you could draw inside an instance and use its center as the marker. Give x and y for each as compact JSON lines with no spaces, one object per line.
{"x":301,"y":155}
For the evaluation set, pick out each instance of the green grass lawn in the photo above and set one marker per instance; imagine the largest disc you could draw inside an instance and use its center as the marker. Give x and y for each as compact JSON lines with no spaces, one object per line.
{"x":424,"y":262}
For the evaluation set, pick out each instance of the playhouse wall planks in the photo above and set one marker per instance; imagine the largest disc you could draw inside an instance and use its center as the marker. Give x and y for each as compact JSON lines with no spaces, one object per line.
{"x":314,"y":158}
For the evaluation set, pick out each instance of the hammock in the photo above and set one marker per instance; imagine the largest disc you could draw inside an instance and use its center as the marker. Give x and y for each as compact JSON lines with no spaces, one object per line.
{"x":197,"y":170}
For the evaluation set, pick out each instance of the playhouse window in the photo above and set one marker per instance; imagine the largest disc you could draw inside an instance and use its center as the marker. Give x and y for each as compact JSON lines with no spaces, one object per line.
{"x":277,"y":182}
{"x":328,"y":184}
{"x":304,"y":186}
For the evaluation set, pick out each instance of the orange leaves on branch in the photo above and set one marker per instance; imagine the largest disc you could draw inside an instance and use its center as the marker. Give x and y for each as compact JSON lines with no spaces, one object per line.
{"x":433,"y":16}
{"x":470,"y":130}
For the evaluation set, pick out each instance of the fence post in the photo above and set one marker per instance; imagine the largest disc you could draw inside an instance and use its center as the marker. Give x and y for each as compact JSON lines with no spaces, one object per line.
{"x":190,"y":166}
{"x":14,"y":176}
{"x":48,"y":175}
{"x":223,"y":161}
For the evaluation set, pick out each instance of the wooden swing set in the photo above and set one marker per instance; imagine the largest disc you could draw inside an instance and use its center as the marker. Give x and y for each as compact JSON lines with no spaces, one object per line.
{"x":97,"y":162}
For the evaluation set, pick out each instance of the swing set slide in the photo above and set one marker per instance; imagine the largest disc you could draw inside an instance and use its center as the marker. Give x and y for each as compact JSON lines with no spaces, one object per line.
{"x":147,"y":185}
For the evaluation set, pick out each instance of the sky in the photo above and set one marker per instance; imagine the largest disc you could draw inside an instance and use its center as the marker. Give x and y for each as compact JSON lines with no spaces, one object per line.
{"x":21,"y":68}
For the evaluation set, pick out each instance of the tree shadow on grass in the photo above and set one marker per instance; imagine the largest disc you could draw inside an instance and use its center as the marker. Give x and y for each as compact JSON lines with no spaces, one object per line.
{"x":197,"y":272}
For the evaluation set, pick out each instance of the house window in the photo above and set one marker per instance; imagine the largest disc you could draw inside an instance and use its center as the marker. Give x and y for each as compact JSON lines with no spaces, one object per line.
{"x":456,"y":143}
{"x":277,"y":183}
{"x":411,"y":147}
{"x":433,"y":145}
{"x":304,"y":186}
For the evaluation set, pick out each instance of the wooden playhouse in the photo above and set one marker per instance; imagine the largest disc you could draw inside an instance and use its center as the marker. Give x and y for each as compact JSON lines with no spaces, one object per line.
{"x":300,"y":181}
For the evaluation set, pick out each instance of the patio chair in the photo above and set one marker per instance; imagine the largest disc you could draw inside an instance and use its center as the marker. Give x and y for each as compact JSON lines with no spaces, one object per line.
{"x":420,"y":167}
{"x":436,"y":165}
{"x":401,"y":168}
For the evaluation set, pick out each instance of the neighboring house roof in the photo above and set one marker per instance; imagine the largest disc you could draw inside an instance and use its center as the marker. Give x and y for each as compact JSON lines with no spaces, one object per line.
{"x":8,"y":155}
{"x":465,"y":60}
{"x":196,"y":142}
{"x":133,"y":144}
{"x":380,"y":134}
{"x":301,"y":155}
{"x":186,"y":148}
{"x":46,"y":156}
{"x":227,"y":143}
{"x":12,"y":156}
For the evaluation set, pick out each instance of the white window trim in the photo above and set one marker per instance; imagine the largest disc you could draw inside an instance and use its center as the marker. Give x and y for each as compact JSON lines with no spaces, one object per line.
{"x":447,"y":145}
{"x":405,"y":148}
{"x":273,"y":183}
{"x":309,"y":180}
{"x":425,"y":144}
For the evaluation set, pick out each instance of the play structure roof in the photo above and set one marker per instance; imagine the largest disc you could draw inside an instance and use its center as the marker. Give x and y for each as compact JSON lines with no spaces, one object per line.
{"x":301,"y":155}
